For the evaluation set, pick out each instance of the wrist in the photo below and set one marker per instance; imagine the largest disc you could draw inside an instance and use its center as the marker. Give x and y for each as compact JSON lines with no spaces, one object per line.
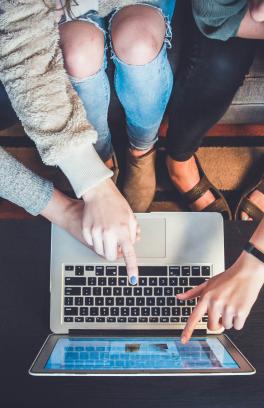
{"x":97,"y":191}
{"x":251,"y":266}
{"x":57,"y":209}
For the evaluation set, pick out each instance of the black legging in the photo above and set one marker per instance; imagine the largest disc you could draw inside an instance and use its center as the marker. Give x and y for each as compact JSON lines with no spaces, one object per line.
{"x":208,"y":77}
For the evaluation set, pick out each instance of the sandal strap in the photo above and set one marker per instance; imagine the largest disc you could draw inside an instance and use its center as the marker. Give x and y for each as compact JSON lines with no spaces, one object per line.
{"x":218,"y":205}
{"x":251,"y":209}
{"x":197,"y":191}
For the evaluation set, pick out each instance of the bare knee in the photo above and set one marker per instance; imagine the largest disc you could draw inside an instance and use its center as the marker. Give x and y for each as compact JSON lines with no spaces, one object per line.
{"x":83,"y":48}
{"x":138,"y":34}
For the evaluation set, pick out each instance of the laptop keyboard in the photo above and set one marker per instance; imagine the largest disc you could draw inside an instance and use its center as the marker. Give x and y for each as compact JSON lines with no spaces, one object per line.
{"x":102,"y":293}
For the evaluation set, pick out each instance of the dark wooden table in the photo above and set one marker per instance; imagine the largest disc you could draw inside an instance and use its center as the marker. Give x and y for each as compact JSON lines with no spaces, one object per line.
{"x":24,"y":325}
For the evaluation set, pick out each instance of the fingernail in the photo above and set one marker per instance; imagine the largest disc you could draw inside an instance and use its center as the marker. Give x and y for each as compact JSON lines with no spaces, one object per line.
{"x":183,"y":339}
{"x":133,"y":280}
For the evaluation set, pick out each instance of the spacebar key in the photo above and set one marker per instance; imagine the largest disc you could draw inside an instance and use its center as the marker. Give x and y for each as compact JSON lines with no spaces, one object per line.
{"x":153,"y":270}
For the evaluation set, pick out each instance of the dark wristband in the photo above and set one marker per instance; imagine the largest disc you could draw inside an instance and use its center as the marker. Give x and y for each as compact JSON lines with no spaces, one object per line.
{"x":251,"y":249}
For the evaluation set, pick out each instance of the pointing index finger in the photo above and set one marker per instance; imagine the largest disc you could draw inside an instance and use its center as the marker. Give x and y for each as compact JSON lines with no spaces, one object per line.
{"x":195,"y":317}
{"x":130,"y":258}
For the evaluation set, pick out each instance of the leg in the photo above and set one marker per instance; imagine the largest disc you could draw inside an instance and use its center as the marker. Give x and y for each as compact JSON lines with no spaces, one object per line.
{"x":143,"y":73}
{"x":83,"y":49}
{"x":209,"y":77}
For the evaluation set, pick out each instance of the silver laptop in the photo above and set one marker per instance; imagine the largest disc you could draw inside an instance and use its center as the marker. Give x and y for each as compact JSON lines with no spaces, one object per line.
{"x":91,"y":298}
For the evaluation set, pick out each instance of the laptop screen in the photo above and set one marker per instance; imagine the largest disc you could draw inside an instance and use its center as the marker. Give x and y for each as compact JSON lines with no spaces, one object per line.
{"x":136,"y":353}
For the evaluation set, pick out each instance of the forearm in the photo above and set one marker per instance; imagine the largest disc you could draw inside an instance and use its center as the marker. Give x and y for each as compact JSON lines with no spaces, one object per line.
{"x":258,"y":237}
{"x":31,"y":69}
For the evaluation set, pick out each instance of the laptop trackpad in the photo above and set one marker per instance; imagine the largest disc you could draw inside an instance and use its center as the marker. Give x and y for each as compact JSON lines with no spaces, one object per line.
{"x":153,"y":238}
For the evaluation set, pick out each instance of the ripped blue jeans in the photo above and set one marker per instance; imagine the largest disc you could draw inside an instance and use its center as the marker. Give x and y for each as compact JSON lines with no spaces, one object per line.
{"x":143,"y":90}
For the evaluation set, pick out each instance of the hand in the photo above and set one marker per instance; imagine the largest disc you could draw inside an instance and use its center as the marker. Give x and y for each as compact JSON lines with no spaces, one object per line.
{"x":228,"y":297}
{"x":109,"y":225}
{"x":257,"y":10}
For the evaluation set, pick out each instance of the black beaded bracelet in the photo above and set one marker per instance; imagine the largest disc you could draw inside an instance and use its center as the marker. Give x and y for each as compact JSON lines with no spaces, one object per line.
{"x":251,"y":249}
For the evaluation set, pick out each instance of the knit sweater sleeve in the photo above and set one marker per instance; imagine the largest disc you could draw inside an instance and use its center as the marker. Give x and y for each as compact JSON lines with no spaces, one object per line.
{"x":219,"y":19}
{"x":31,"y":69}
{"x":23,"y":187}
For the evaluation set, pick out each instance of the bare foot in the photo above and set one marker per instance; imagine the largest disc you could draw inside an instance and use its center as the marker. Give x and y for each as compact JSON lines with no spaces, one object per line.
{"x":185,"y":175}
{"x":256,"y":198}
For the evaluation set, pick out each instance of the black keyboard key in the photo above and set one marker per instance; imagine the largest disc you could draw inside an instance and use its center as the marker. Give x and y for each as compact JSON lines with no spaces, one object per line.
{"x":174,"y":319}
{"x":168,"y":291}
{"x":110,"y":301}
{"x":130,"y":301}
{"x":196,"y":281}
{"x":160,"y":301}
{"x":89,"y":319}
{"x":171,"y":301}
{"x":121,"y":319}
{"x":84,"y":311}
{"x":99,"y":301}
{"x":122,"y":271}
{"x":68,"y":301}
{"x":183,"y":281}
{"x":112,"y":281}
{"x":140,"y":301}
{"x":176,"y":311}
{"x":86,"y":291}
{"x":99,"y":271}
{"x":78,"y":301}
{"x":135,"y":311}
{"x":91,"y":281}
{"x":70,"y":311}
{"x":69,"y":268}
{"x":104,"y":311}
{"x":205,"y":319}
{"x":187,"y":288}
{"x":158,"y":291}
{"x":177,"y":291}
{"x":111,"y":271}
{"x":111,"y":319}
{"x":174,"y":271}
{"x":180,"y":302}
{"x":124,"y":311}
{"x":117,"y":291}
{"x":150,"y":301}
{"x":89,"y":301}
{"x":107,"y":291}
{"x":100,"y":319}
{"x":79,"y":319}
{"x":173,"y":281}
{"x":75,"y":281}
{"x":97,"y":291}
{"x":165,"y":311}
{"x":164,"y":319}
{"x":79,"y":270}
{"x":145,"y":311}
{"x":89,"y":268}
{"x":68,"y":319}
{"x":94,"y":311}
{"x":143,"y":281}
{"x":186,"y":311}
{"x":206,"y":271}
{"x":163,"y":281}
{"x":191,"y":302}
{"x":132,"y":320}
{"x":184,"y":319}
{"x":196,"y":271}
{"x":137,"y":291}
{"x":153,"y":281}
{"x":153,"y":319}
{"x":114,"y":311}
{"x":72,"y":291}
{"x":122,"y":281}
{"x":152,"y":270}
{"x":186,"y":271}
{"x":120,"y":301}
{"x":147,"y":291}
{"x":127,"y":291}
{"x":143,"y":320}
{"x":101,"y":281}
{"x":155,"y":311}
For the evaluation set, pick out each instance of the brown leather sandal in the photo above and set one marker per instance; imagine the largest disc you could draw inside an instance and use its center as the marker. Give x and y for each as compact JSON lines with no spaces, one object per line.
{"x":246,"y":205}
{"x":219,"y":205}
